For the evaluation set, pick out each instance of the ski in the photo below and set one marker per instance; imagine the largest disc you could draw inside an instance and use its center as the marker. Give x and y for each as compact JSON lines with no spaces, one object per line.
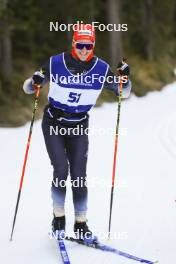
{"x":63,"y":251}
{"x":104,"y":247}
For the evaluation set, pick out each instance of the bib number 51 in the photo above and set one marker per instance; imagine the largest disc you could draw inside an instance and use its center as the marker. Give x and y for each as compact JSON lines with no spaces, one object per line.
{"x":74,"y":97}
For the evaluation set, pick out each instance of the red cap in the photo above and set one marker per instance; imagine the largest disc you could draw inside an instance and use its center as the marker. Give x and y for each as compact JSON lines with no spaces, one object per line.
{"x":84,"y":32}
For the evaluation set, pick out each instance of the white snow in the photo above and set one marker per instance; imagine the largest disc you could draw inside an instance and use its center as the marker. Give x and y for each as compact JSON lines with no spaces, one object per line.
{"x":144,"y":209}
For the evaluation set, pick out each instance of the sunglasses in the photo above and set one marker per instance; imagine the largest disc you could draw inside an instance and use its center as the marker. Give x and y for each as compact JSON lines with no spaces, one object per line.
{"x":81,"y":46}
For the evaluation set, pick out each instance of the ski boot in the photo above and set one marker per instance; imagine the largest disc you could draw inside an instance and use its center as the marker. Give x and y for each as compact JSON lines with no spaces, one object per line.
{"x":58,"y":227}
{"x":83,"y":233}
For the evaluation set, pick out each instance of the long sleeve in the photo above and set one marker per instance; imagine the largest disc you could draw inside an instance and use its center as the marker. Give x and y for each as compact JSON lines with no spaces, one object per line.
{"x":27,"y":86}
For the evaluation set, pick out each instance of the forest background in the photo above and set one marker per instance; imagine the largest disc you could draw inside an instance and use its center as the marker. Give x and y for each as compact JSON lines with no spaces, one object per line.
{"x":26,"y":42}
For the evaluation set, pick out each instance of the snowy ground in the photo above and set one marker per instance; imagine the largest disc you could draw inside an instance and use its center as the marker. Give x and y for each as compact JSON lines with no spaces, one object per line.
{"x":144,"y":211}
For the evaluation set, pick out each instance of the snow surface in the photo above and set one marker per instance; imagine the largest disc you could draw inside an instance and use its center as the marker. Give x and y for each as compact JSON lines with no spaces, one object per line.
{"x":144,"y":209}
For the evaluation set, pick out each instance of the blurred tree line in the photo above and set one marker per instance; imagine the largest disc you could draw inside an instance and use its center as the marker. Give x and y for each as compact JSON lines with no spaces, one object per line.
{"x":26,"y":42}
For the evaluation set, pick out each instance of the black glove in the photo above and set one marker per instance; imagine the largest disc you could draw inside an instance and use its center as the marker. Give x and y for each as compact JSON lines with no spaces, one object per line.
{"x":38,"y":78}
{"x":123,"y":68}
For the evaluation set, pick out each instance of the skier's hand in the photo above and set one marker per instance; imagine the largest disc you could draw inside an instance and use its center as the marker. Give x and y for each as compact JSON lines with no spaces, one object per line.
{"x":123,"y":68}
{"x":38,"y":78}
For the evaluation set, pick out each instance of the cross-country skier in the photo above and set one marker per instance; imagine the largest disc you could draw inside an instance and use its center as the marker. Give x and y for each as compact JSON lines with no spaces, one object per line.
{"x":74,"y":86}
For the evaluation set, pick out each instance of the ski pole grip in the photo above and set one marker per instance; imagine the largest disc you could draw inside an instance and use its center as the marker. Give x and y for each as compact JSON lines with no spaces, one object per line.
{"x":37,"y":88}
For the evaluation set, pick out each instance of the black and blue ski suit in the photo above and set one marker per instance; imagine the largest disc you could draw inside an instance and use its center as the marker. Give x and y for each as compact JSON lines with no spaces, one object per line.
{"x":69,"y":101}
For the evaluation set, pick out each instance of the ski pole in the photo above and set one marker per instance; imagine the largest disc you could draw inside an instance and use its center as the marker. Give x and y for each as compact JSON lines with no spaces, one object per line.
{"x":115,"y":154}
{"x":25,"y":157}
